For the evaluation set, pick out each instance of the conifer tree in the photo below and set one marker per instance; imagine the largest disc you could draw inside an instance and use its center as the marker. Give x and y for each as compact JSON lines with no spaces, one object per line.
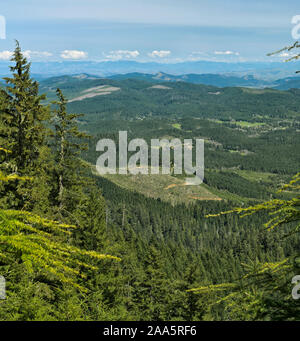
{"x":267,"y":284}
{"x":23,"y":132}
{"x":153,"y":294}
{"x":22,"y":114}
{"x":69,"y":168}
{"x":38,"y":243}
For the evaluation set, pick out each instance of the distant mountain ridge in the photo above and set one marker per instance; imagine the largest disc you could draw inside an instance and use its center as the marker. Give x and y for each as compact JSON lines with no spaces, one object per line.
{"x":218,"y":80}
{"x":269,"y":71}
{"x":287,"y":83}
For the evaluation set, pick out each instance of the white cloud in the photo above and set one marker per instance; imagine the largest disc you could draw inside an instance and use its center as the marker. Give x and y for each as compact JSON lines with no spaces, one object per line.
{"x":287,"y":55}
{"x":6,"y":55}
{"x":159,"y":54}
{"x":227,"y":53}
{"x":36,"y":54}
{"x":73,"y":54}
{"x":284,"y":54}
{"x":122,"y":54}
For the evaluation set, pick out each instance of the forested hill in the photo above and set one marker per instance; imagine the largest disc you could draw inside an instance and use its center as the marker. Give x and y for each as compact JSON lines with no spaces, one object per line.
{"x":219,"y":80}
{"x":239,"y":126}
{"x":132,"y":98}
{"x":75,"y":245}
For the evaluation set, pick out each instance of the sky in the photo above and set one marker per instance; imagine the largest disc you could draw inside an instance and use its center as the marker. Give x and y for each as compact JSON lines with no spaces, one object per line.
{"x":167,"y":31}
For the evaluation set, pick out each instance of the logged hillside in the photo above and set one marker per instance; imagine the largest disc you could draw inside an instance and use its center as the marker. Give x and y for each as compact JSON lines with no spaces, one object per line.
{"x":250,"y":134}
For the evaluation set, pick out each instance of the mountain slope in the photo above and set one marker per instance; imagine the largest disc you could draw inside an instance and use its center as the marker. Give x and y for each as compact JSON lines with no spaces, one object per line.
{"x":138,"y":98}
{"x":219,"y":80}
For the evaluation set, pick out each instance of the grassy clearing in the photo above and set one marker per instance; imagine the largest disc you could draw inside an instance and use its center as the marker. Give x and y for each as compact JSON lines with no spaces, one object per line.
{"x":217,"y":121}
{"x":245,"y":124}
{"x":241,"y":152}
{"x":261,"y":91}
{"x":164,"y":187}
{"x":256,"y":176}
{"x":176,"y":126}
{"x":242,"y":124}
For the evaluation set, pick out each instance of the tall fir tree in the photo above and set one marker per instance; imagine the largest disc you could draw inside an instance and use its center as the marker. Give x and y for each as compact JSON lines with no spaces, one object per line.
{"x":22,"y":131}
{"x":69,"y":170}
{"x":22,"y":115}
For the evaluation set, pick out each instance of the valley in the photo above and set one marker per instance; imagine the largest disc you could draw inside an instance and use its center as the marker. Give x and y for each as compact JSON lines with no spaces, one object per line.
{"x":239,"y":127}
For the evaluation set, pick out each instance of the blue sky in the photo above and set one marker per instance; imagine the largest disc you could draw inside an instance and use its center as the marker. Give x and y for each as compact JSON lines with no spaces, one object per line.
{"x":148,"y":30}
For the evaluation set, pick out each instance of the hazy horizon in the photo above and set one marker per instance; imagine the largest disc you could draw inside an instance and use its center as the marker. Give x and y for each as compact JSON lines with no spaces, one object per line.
{"x":153,"y":31}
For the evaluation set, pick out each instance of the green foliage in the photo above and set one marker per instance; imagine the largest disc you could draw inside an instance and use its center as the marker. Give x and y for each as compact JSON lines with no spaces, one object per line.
{"x":66,"y":143}
{"x":56,"y":271}
{"x":283,"y":211}
{"x":23,"y":132}
{"x":38,"y":250}
{"x":22,"y":115}
{"x":38,"y":243}
{"x":266,"y":284}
